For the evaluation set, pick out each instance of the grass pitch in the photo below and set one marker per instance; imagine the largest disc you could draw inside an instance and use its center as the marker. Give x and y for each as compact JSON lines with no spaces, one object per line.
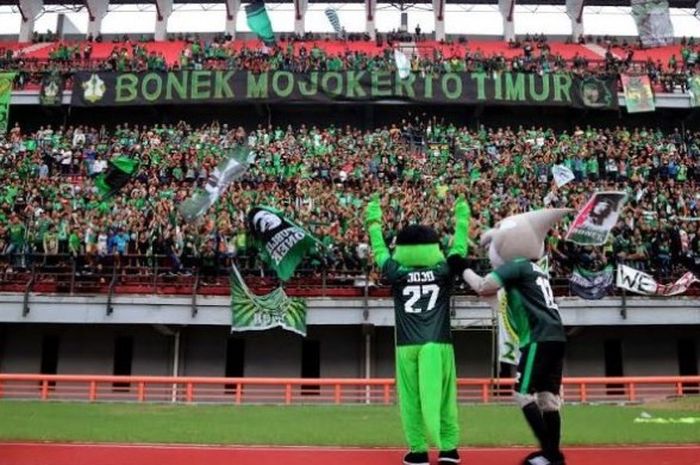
{"x":483,"y":425}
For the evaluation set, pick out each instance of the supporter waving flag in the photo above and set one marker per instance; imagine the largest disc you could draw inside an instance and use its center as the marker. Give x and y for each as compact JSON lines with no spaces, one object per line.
{"x":231,"y":168}
{"x":283,"y":243}
{"x":119,"y":172}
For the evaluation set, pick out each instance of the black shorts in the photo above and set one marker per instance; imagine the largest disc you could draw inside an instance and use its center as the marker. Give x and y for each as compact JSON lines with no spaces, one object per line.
{"x":540,"y":367}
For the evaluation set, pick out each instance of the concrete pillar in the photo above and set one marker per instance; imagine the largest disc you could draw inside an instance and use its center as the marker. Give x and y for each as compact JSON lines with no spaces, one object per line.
{"x":97,"y":10}
{"x":439,"y":14}
{"x":232,"y":7}
{"x":300,"y":7}
{"x":163,"y":10}
{"x":507,"y":9}
{"x":370,"y":9}
{"x":574,"y":9}
{"x":29,"y":9}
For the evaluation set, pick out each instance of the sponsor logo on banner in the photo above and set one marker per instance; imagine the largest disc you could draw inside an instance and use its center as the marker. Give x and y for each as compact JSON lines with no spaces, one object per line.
{"x":51,"y":92}
{"x":93,"y":89}
{"x":599,"y":215}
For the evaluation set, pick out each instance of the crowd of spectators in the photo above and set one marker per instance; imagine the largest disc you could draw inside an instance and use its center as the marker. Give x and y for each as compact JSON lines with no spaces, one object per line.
{"x":322,"y":176}
{"x":218,"y":53}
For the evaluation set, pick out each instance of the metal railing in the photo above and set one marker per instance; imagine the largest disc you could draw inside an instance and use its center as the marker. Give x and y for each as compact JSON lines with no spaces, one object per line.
{"x":156,"y":274}
{"x":288,"y":391}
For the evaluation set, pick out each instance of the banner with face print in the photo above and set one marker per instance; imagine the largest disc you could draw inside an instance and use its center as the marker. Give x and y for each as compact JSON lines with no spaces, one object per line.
{"x":596,"y":219}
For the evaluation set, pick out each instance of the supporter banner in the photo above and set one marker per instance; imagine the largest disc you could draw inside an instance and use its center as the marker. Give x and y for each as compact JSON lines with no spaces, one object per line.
{"x":653,"y":22}
{"x":283,"y":243}
{"x":595,"y":220}
{"x":220,"y":86}
{"x":642,"y":283}
{"x":591,"y":285}
{"x":250,"y":312}
{"x":694,"y":90}
{"x":51,"y":93}
{"x":6,"y":80}
{"x":638,"y":94}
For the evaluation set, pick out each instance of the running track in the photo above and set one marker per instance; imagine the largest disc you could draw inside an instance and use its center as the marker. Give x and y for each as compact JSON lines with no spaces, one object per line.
{"x":108,"y":454}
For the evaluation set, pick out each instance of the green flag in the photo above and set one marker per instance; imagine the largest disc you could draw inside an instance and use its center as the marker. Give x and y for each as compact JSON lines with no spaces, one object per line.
{"x":259,"y":22}
{"x":6,"y":80}
{"x":255,"y":313}
{"x":283,"y":243}
{"x":118,"y":174}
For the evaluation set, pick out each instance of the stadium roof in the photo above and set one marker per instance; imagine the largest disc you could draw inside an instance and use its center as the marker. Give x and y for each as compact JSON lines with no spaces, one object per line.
{"x":625,"y":3}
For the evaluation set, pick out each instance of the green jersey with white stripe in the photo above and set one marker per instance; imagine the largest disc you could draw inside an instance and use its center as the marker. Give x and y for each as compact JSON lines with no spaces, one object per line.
{"x":532,"y":311}
{"x":421,"y":302}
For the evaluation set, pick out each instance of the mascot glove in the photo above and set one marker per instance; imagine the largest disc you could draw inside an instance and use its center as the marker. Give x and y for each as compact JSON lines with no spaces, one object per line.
{"x":462,"y":209}
{"x":373,"y":212}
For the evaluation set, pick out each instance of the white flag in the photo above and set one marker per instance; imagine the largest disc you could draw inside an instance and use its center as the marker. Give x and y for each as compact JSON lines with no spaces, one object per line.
{"x":403,"y":66}
{"x":232,"y":167}
{"x":562,"y":175}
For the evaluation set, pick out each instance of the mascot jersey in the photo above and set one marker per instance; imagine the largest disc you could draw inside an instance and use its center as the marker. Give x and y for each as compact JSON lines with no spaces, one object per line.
{"x":421,"y":279}
{"x":421,"y":302}
{"x":532,"y":311}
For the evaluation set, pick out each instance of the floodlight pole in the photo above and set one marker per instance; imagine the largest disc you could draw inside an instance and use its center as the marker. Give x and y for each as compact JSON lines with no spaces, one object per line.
{"x":29,"y":10}
{"x":507,"y":9}
{"x":97,"y":10}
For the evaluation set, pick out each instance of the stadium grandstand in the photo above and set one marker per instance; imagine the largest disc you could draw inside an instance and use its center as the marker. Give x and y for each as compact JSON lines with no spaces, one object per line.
{"x":117,"y":116}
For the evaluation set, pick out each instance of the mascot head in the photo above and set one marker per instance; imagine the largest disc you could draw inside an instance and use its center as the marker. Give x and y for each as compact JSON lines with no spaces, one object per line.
{"x":418,"y":246}
{"x":521,"y":236}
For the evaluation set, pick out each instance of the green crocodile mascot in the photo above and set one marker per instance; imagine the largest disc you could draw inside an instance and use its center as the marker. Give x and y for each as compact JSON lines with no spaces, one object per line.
{"x":421,"y":279}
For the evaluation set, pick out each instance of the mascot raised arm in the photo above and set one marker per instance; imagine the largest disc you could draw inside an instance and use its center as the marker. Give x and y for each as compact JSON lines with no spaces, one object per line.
{"x":421,"y":280}
{"x":513,"y":246}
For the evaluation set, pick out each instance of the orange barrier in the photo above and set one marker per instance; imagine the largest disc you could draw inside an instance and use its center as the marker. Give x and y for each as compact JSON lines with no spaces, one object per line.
{"x":315,"y":391}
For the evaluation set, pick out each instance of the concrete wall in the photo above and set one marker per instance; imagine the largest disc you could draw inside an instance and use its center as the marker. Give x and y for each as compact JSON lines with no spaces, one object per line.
{"x":89,"y":349}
